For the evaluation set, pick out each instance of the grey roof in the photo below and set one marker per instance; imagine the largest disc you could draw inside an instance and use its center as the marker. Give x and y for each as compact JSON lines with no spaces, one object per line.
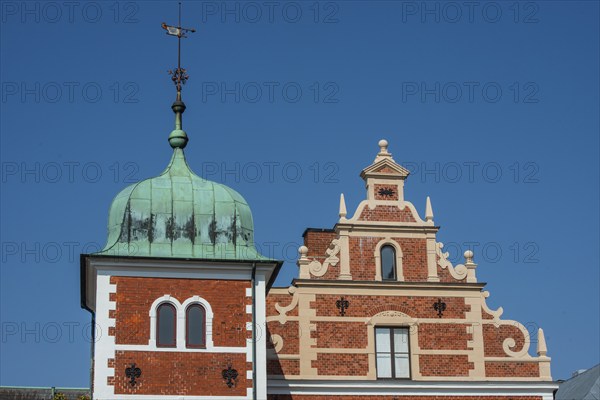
{"x":585,"y":386}
{"x":38,"y":393}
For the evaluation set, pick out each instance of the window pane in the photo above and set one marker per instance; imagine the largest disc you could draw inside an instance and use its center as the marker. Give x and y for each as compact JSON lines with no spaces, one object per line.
{"x":388,"y":263}
{"x":400,"y":340}
{"x":384,"y":366}
{"x":382,"y":338}
{"x":165,"y":335}
{"x":195,"y":326}
{"x":402,"y":366}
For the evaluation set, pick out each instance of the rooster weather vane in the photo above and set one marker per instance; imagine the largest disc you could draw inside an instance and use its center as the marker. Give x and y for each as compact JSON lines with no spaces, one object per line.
{"x":179,"y":76}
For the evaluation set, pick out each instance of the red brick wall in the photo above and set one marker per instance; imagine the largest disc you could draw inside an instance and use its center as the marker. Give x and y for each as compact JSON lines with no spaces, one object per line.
{"x":341,"y":364}
{"x":176,"y":373}
{"x":317,"y":242}
{"x":444,"y":365}
{"x":283,"y":367}
{"x":367,"y":306}
{"x":443,"y":336}
{"x":135,"y":296}
{"x":386,"y":213}
{"x":341,"y":335}
{"x":514,"y":369}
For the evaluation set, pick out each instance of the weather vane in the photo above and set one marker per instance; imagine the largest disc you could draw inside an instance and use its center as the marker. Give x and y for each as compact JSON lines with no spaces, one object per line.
{"x":178,"y":76}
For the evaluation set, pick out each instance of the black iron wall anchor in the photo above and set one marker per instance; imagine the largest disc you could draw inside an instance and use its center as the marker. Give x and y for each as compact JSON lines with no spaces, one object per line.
{"x":342,"y":304}
{"x":230,"y":376}
{"x":440,"y":307}
{"x":133,"y":373}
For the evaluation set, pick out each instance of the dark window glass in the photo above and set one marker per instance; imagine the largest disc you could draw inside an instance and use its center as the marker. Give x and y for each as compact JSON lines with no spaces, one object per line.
{"x":388,"y":263}
{"x":392,"y":352}
{"x":195,"y":326}
{"x":165,"y":325}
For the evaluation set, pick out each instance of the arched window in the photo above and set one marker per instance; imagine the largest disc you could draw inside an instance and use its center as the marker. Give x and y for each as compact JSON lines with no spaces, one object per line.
{"x":195,"y":326}
{"x":388,"y":263}
{"x":165,"y":325}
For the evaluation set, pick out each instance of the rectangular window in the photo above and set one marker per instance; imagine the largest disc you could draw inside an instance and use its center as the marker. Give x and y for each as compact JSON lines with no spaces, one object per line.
{"x":392,"y":352}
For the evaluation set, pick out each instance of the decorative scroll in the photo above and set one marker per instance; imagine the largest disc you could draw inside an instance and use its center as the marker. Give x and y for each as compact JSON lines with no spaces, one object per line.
{"x":459,"y":272}
{"x":277,"y":342}
{"x":318,"y":269}
{"x":495,"y":314}
{"x":284,"y":310}
{"x":509,"y":342}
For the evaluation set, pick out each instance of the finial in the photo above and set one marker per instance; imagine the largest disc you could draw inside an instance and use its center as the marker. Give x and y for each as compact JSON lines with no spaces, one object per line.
{"x":383,"y":151}
{"x":428,"y":210}
{"x":383,"y":148}
{"x":542,"y":350}
{"x":468,"y":257}
{"x":470,"y":266}
{"x":303,"y":250}
{"x":342,"y":206}
{"x":178,"y":138}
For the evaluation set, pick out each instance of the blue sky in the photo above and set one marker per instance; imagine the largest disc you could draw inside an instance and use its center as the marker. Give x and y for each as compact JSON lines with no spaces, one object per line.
{"x":493,"y":107}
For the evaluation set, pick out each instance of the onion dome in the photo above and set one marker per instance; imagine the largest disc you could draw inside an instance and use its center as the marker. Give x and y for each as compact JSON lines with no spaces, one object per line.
{"x":179,"y":214}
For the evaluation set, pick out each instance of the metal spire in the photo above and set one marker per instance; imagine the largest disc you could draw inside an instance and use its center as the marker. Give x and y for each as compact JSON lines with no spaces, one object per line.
{"x":178,"y":137}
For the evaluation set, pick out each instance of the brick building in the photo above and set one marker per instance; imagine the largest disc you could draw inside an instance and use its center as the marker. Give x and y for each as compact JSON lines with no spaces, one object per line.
{"x":185,"y":309}
{"x":377,"y":311}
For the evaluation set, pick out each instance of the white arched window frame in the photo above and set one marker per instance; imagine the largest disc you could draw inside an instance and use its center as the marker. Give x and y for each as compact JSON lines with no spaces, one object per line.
{"x":208,"y":318}
{"x":377,"y":254}
{"x":180,"y":326}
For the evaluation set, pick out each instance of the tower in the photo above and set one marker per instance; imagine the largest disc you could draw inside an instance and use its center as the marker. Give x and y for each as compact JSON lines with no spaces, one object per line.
{"x":178,"y":292}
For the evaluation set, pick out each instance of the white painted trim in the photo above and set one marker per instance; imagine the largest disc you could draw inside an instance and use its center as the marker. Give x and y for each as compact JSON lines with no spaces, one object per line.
{"x":410,"y":388}
{"x":104,"y":346}
{"x":142,"y":347}
{"x":261,"y":336}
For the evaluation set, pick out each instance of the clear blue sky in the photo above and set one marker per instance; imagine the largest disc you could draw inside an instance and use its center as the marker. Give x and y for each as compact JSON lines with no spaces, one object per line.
{"x":498,"y":101}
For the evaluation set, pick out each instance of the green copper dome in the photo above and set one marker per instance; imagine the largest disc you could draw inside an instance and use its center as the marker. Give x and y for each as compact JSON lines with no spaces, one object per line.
{"x":178,"y":214}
